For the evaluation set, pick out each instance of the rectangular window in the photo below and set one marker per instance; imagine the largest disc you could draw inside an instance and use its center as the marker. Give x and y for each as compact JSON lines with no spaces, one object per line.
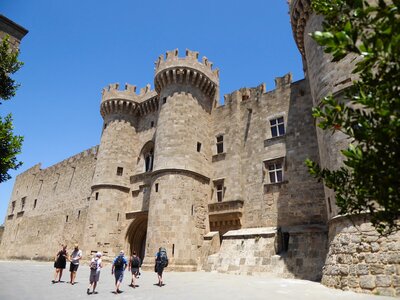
{"x":34,"y":203}
{"x":220,"y":144}
{"x":275,"y":171}
{"x":277,"y":127}
{"x":23,"y":203}
{"x":97,"y":196}
{"x":120,"y":170}
{"x":164,"y":100}
{"x":66,"y":219}
{"x":12,"y":207}
{"x":219,"y":190}
{"x":198,"y":146}
{"x":156,"y":186}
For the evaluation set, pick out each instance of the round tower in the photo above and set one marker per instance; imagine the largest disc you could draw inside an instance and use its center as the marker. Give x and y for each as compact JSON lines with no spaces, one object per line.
{"x":116,"y":159}
{"x":324,"y":77}
{"x":357,"y":256}
{"x":180,"y":188}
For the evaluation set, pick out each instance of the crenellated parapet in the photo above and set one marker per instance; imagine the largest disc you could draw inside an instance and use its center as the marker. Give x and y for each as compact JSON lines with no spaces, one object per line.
{"x":186,"y":70}
{"x":127,"y":101}
{"x":300,"y":11}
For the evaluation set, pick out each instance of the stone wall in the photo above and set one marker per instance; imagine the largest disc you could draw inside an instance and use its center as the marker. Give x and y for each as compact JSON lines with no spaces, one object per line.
{"x":256,"y":250}
{"x":50,"y":208}
{"x":361,"y":260}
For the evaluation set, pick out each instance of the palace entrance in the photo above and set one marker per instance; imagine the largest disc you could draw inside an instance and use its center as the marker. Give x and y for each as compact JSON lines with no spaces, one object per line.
{"x":136,"y":234}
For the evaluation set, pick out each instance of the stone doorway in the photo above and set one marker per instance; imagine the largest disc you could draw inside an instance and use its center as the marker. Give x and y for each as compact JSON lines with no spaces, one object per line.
{"x":136,"y":235}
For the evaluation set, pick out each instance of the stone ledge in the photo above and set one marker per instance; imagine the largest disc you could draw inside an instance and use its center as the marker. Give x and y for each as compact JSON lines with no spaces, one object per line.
{"x":250,"y":233}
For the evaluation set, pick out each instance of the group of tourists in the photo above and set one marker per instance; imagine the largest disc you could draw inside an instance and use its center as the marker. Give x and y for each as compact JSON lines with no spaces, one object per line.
{"x":119,"y":265}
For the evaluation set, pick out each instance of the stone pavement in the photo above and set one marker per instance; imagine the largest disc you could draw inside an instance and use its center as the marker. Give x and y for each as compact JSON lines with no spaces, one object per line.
{"x":32,"y":280}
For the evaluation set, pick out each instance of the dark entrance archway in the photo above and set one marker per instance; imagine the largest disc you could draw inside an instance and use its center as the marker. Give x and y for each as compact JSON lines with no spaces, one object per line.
{"x":136,"y":235}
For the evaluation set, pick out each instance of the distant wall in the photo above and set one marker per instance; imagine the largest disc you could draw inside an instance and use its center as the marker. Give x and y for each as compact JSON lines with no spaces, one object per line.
{"x":49,"y":209}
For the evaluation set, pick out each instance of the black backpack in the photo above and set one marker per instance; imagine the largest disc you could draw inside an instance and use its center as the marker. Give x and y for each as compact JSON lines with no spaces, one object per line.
{"x":119,"y":263}
{"x":135,"y":262}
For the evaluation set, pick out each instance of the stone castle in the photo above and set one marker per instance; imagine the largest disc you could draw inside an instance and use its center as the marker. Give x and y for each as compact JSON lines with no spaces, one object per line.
{"x":221,"y":187}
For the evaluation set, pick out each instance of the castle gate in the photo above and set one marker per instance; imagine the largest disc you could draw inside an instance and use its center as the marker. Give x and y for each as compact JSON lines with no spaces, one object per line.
{"x":136,"y":235}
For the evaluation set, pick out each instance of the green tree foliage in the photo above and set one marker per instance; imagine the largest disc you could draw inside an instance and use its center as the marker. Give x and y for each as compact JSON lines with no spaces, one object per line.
{"x":10,"y":145}
{"x":370,"y":114}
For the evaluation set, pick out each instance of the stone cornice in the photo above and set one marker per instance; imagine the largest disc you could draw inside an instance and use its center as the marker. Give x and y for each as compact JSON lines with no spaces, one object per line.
{"x":300,"y":11}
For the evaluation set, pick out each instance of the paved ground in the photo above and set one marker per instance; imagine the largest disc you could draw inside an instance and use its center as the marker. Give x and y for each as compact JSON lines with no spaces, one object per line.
{"x":32,"y":280}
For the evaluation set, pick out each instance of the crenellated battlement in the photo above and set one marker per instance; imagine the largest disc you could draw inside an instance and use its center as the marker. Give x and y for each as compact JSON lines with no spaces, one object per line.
{"x":125,"y":101}
{"x":186,"y":70}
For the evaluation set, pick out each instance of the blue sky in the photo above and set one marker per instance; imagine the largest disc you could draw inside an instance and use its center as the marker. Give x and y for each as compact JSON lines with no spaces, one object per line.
{"x":75,"y":48}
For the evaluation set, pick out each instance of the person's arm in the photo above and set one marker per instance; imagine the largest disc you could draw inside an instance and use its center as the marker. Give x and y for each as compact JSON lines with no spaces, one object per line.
{"x":112,"y":268}
{"x":130,"y":264}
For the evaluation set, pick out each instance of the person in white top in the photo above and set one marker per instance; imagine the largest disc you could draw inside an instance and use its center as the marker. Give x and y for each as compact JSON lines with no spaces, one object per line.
{"x":74,"y":258}
{"x":95,"y":267}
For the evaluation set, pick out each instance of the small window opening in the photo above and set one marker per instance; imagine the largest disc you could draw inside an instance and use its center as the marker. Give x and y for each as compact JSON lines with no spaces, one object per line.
{"x":120,"y":170}
{"x":329,"y":205}
{"x":275,"y":171}
{"x":245,"y":97}
{"x":156,"y":186}
{"x":192,"y":210}
{"x":97,"y":196}
{"x":219,"y":187}
{"x":79,"y":214}
{"x":23,"y":203}
{"x":105,"y":126}
{"x":149,"y":161}
{"x":152,"y":124}
{"x":12,"y":206}
{"x":198,"y":146}
{"x":118,"y":217}
{"x":277,"y":127}
{"x":34,"y":203}
{"x":66,"y":219}
{"x":220,"y":144}
{"x":164,"y":100}
{"x":173,"y":249}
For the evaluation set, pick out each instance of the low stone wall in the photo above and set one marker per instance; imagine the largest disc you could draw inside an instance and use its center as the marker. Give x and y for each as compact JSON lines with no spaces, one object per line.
{"x":361,"y":260}
{"x":252,"y":251}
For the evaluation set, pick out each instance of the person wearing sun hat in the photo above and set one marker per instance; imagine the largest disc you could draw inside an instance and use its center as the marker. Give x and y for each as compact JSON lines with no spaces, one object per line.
{"x":95,"y":267}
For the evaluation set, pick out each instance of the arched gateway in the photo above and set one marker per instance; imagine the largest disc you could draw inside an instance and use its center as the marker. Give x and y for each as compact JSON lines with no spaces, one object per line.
{"x":136,"y":235}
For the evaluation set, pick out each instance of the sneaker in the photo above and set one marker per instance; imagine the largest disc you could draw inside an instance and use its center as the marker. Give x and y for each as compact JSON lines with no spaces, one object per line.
{"x":88,"y":291}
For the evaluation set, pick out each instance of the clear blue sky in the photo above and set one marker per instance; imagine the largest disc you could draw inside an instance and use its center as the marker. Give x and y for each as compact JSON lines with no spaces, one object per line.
{"x":75,"y":48}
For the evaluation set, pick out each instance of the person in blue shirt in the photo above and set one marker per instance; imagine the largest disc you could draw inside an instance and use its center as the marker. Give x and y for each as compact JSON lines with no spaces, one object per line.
{"x":118,"y":267}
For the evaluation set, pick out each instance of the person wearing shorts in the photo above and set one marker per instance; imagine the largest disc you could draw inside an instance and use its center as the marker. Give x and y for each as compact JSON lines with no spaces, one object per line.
{"x":74,"y":258}
{"x":134,"y":265}
{"x":118,"y":267}
{"x":95,"y":267}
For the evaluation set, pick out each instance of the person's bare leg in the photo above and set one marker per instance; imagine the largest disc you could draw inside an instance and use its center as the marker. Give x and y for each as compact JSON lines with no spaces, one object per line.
{"x":94,"y":286}
{"x":60,"y":274}
{"x":55,"y":275}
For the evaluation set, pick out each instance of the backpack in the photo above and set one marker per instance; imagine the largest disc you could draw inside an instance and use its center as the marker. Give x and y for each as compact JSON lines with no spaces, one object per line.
{"x":119,"y":263}
{"x":135,"y":262}
{"x":93,"y":264}
{"x":163,"y":258}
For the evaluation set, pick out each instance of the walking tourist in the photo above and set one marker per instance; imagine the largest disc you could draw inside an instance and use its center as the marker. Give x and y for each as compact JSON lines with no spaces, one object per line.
{"x":134,"y":265}
{"x":95,"y":267}
{"x":60,"y":261}
{"x":118,"y":267}
{"x":75,"y":257}
{"x":161,"y":262}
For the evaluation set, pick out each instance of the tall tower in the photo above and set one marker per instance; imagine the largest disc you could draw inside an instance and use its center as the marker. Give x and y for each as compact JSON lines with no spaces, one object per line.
{"x":324,"y":77}
{"x":115,"y":164}
{"x":355,"y":248}
{"x":180,"y":188}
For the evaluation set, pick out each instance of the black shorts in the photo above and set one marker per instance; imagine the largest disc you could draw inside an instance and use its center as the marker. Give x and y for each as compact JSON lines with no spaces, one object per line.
{"x":73,"y":268}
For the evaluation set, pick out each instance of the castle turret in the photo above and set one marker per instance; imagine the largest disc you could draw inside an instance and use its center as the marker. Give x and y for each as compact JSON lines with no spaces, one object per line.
{"x":115,"y":164}
{"x":178,"y":217}
{"x":353,"y":244}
